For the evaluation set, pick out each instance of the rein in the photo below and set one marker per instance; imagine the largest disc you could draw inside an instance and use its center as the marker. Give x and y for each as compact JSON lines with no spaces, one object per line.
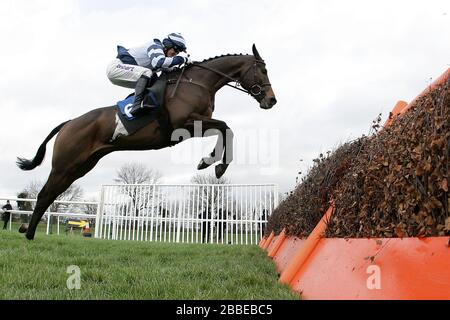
{"x":255,"y":89}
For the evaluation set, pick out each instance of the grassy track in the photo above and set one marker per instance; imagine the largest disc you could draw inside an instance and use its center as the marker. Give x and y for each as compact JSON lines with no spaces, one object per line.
{"x":134,"y":270}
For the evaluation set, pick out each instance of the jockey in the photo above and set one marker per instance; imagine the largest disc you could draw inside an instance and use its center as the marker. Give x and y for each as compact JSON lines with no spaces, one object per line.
{"x":134,"y":67}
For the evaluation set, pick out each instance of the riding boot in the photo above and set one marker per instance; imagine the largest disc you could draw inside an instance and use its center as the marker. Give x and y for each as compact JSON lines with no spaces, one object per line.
{"x":140,"y":91}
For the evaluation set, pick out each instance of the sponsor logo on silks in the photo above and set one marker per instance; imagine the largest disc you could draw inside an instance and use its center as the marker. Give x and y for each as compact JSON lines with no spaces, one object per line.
{"x":127,"y":68}
{"x":127,"y":109}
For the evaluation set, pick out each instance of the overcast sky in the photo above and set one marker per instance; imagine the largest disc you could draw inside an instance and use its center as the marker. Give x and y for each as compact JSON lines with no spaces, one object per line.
{"x":334,"y":66}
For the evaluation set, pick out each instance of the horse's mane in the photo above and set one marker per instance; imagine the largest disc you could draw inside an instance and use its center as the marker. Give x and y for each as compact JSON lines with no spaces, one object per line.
{"x":222,"y":56}
{"x":177,"y":71}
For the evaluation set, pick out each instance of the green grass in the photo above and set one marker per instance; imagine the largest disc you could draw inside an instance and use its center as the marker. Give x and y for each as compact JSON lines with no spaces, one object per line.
{"x":134,"y":270}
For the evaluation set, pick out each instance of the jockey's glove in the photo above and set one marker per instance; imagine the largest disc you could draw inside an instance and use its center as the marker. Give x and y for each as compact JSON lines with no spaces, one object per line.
{"x":187,"y":60}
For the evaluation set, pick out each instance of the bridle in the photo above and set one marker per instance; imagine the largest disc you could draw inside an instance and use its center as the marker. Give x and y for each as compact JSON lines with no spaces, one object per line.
{"x":256,"y":90}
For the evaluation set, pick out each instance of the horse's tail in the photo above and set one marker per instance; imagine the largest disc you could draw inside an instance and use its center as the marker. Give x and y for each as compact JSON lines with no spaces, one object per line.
{"x":26,"y":164}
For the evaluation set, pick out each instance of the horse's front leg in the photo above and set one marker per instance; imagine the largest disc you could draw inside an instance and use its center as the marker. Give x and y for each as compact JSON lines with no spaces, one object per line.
{"x":217,"y":152}
{"x":224,"y":144}
{"x":227,"y":154}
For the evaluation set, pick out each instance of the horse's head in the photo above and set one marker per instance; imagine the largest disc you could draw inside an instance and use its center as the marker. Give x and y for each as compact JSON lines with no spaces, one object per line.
{"x":256,"y":81}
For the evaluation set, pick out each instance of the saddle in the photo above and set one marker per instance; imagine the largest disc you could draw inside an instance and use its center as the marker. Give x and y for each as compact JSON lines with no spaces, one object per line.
{"x":154,"y":97}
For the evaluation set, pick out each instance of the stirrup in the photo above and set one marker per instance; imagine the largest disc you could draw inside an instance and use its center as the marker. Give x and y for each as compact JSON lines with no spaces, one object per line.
{"x":138,"y":110}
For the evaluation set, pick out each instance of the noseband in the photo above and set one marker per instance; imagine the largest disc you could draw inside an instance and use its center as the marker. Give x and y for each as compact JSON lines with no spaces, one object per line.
{"x":257,"y":88}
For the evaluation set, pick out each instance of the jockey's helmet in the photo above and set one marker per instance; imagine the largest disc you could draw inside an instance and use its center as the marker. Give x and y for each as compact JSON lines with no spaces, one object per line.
{"x":176,"y":41}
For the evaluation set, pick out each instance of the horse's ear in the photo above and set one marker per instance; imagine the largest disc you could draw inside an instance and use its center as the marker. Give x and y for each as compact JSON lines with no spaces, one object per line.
{"x":256,"y":53}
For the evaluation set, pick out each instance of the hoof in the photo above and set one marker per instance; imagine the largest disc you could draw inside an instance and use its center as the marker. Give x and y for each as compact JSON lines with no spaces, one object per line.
{"x":205,"y":163}
{"x":29,"y":236}
{"x":23,"y":228}
{"x":220,"y":170}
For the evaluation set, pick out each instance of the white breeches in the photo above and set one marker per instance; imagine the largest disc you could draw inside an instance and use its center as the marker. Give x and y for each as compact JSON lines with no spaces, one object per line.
{"x":125,"y":75}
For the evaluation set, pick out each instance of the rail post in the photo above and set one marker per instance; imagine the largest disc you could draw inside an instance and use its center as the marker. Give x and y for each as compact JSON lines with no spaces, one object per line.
{"x":98,"y":218}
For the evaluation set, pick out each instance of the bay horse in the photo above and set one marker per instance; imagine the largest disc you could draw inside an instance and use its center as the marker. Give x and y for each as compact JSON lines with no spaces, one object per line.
{"x":83,"y":141}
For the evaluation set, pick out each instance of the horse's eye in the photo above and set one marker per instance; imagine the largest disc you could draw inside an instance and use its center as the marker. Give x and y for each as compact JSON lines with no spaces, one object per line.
{"x":264,"y":71}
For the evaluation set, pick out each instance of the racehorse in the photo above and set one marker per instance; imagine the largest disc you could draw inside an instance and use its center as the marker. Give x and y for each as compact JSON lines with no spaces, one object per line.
{"x":83,"y":141}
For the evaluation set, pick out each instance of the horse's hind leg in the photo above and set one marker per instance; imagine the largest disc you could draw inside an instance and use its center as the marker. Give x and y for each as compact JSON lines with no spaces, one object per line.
{"x":78,"y":147}
{"x":57,"y":183}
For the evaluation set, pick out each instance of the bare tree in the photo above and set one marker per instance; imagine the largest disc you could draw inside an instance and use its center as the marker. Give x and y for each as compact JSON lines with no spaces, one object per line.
{"x":73,"y":193}
{"x":137,"y":173}
{"x":134,"y":174}
{"x":32,"y":189}
{"x":209,"y":179}
{"x":209,"y":197}
{"x":210,"y":194}
{"x":24,"y":205}
{"x":211,"y":201}
{"x":90,"y":208}
{"x":233,"y":204}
